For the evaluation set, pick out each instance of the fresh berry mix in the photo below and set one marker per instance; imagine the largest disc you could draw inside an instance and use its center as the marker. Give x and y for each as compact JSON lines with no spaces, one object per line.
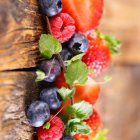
{"x":50,"y":7}
{"x":51,"y":69}
{"x":54,"y":132}
{"x":62,"y":26}
{"x":50,"y":96}
{"x":37,"y":113}
{"x":69,"y":69}
{"x":78,"y":44}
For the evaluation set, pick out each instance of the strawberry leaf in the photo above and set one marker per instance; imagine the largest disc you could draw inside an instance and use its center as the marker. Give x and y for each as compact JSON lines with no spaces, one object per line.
{"x":113,"y":43}
{"x":48,"y":45}
{"x":101,"y":135}
{"x":77,"y":126}
{"x":64,"y":118}
{"x":66,"y":93}
{"x":40,"y":75}
{"x":81,"y":110}
{"x":76,"y":73}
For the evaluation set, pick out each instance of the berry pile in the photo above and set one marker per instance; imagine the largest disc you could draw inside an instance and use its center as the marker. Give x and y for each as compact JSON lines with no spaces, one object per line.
{"x":74,"y":53}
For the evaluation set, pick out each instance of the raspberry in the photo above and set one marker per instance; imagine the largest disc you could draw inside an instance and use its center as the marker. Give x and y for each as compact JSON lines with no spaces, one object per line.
{"x":62,"y":26}
{"x":55,"y":132}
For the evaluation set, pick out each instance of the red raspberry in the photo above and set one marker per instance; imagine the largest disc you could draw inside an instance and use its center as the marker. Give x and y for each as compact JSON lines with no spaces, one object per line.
{"x":55,"y":132}
{"x":62,"y":26}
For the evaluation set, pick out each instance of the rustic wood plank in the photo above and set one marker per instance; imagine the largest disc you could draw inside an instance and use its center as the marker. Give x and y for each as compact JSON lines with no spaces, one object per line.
{"x":21,"y":27}
{"x":17,"y":90}
{"x":121,"y":19}
{"x":119,"y":103}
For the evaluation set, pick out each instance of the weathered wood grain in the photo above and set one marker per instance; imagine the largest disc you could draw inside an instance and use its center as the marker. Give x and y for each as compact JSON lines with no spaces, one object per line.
{"x":121,"y":19}
{"x":17,"y":90}
{"x":119,"y":103}
{"x":20,"y":29}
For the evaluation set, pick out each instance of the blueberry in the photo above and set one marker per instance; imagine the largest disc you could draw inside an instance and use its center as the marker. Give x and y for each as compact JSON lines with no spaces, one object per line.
{"x":66,"y":54}
{"x":38,"y":113}
{"x":68,"y":138}
{"x":78,"y":43}
{"x":51,"y":68}
{"x":51,"y":97}
{"x":50,"y":7}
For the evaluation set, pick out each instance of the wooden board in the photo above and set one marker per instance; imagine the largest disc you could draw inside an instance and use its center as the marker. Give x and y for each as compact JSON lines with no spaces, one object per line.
{"x":119,"y":103}
{"x":20,"y":28}
{"x":121,"y":20}
{"x":17,"y":90}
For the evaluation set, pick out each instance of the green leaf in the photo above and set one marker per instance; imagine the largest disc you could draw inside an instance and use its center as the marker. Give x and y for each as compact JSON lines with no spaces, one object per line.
{"x":66,"y":93}
{"x":113,"y":43}
{"x":76,"y":73}
{"x":77,"y":126}
{"x":77,"y":57}
{"x":64,"y":118}
{"x":40,"y":75}
{"x":48,"y":45}
{"x":101,"y":135}
{"x":47,"y":125}
{"x":81,"y":110}
{"x":108,"y":78}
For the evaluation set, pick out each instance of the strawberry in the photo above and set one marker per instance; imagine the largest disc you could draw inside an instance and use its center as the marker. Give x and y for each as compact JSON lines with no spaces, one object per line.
{"x":98,"y":55}
{"x":55,"y":132}
{"x":88,"y":92}
{"x":62,"y":26}
{"x":86,"y":13}
{"x":100,"y":49}
{"x":95,"y":124}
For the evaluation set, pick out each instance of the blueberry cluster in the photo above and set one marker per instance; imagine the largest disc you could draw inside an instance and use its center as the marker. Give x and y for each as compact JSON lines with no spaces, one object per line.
{"x":39,"y":111}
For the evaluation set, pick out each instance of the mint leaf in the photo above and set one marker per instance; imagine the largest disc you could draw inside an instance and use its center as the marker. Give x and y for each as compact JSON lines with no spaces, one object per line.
{"x":48,"y":45}
{"x":76,"y":73}
{"x":108,"y":78}
{"x":77,"y":57}
{"x":40,"y":75}
{"x":47,"y":125}
{"x":81,"y":110}
{"x":77,"y":126}
{"x":66,"y":93}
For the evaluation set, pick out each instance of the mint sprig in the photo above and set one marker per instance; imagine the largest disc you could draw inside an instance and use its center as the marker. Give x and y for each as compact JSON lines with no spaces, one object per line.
{"x":40,"y":75}
{"x":77,"y":126}
{"x":48,"y":46}
{"x":66,"y":93}
{"x":81,"y":110}
{"x":76,"y":73}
